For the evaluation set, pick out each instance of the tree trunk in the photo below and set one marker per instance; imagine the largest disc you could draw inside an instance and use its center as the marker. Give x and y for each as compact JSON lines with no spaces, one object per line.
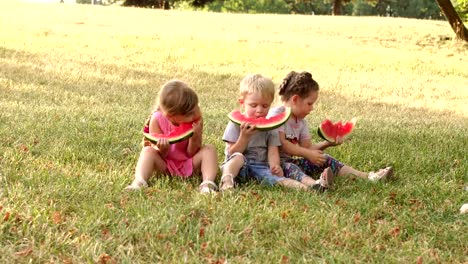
{"x":454,"y":19}
{"x":337,"y":7}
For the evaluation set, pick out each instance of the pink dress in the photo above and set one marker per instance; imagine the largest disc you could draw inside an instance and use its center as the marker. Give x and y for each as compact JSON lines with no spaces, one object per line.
{"x":178,"y":162}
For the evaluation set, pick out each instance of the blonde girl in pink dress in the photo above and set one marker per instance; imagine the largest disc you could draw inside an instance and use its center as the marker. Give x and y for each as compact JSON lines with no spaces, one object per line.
{"x":177,"y":104}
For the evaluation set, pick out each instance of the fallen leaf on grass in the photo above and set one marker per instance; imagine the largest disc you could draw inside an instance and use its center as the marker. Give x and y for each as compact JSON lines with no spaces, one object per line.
{"x":57,"y":218}
{"x":104,"y":259}
{"x":205,"y":221}
{"x":419,"y":260}
{"x":228,"y":227}
{"x":218,"y":261}
{"x":24,"y":148}
{"x":357,"y":217}
{"x":395,"y":232}
{"x":284,"y":259}
{"x":202,"y":232}
{"x":7,"y":216}
{"x":161,"y":236}
{"x":105,"y":233}
{"x":25,"y":252}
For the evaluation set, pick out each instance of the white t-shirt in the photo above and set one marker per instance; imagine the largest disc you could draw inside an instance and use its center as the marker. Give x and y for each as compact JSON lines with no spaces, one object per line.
{"x":294,"y":129}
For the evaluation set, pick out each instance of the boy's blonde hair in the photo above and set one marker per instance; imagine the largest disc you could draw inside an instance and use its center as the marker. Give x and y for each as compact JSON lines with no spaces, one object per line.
{"x":256,"y":83}
{"x":176,"y":98}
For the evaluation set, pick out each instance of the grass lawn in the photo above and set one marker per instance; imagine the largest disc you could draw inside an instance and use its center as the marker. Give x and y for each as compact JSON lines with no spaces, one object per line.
{"x":78,"y":81}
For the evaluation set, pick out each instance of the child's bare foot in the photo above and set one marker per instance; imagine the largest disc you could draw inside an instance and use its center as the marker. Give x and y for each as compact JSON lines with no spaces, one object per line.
{"x":137,"y":184}
{"x":382,"y":174}
{"x":208,"y":187}
{"x":227,"y":182}
{"x":325,"y":182}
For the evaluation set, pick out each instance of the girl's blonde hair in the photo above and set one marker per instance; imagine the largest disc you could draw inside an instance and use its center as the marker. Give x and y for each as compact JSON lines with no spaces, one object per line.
{"x":256,"y":83}
{"x":176,"y":98}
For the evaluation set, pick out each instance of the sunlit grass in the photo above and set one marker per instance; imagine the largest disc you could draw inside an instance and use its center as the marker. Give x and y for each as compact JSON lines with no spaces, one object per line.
{"x":77,"y":82}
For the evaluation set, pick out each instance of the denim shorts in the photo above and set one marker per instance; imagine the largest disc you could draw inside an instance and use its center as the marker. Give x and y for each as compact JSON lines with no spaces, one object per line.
{"x":255,"y":170}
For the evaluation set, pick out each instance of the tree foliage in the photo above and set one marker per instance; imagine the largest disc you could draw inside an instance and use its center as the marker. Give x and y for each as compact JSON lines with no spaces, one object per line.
{"x":423,"y":9}
{"x":461,"y":6}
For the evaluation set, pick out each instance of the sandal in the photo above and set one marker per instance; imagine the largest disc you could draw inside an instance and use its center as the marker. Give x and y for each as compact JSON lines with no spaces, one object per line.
{"x":227,"y":182}
{"x":325,"y":182}
{"x":382,"y":174}
{"x":208,"y":187}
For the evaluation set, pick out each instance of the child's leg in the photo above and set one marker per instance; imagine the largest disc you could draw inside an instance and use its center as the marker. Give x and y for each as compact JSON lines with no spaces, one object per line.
{"x":263,"y":174}
{"x":290,"y":183}
{"x":373,"y":176}
{"x":148,"y":162}
{"x":339,"y":169}
{"x":347,"y":170}
{"x":293,"y":171}
{"x":231,"y":169}
{"x":311,"y":169}
{"x":206,"y":161}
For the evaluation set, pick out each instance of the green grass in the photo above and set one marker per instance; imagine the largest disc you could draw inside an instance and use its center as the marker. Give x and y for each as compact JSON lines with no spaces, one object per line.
{"x":77,"y":82}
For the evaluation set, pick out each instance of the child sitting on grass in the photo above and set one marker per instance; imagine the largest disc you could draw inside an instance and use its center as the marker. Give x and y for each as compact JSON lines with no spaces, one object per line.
{"x":300,"y":91}
{"x":176,"y":104}
{"x":251,"y":153}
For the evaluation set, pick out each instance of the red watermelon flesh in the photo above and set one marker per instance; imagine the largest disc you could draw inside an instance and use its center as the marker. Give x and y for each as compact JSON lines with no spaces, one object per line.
{"x":179,"y":133}
{"x":330,"y":131}
{"x":261,"y":123}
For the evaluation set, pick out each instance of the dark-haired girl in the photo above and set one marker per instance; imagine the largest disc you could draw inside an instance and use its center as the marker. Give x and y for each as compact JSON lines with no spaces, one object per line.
{"x":300,"y":92}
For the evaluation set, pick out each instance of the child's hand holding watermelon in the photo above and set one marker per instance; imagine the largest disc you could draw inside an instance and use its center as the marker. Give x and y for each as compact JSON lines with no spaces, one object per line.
{"x":300,"y":91}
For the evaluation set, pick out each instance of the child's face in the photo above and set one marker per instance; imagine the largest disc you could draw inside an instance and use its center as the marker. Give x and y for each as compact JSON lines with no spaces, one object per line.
{"x":190,"y":117}
{"x":301,"y":107}
{"x":256,"y":105}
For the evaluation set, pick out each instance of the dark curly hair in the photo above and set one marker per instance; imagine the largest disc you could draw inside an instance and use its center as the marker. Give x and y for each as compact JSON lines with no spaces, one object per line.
{"x":295,"y":83}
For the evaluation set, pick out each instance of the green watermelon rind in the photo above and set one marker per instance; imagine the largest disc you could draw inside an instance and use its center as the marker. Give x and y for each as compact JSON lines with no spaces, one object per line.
{"x":319,"y":132}
{"x":265,"y":127}
{"x":171,"y":140}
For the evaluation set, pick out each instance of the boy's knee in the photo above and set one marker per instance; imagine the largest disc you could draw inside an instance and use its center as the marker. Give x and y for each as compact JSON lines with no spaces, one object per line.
{"x":237,"y":156}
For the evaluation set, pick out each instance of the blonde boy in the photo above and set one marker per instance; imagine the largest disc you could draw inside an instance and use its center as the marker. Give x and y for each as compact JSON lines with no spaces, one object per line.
{"x":250,"y":153}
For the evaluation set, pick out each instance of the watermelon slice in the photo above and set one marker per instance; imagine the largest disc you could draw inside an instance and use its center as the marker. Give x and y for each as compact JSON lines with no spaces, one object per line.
{"x":261,"y":123}
{"x":180,"y":133}
{"x":330,"y":131}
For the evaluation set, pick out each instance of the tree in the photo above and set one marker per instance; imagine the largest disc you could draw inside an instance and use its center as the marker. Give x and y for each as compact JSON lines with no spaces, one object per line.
{"x":166,"y":4}
{"x":454,"y":19}
{"x":337,"y":4}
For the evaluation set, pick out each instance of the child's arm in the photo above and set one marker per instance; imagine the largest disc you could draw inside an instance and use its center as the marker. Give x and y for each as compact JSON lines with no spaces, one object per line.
{"x":321,"y":145}
{"x":163,"y":145}
{"x":303,"y":149}
{"x":294,"y":149}
{"x":274,"y":161}
{"x":195,"y":141}
{"x":325,"y":144}
{"x":246,"y":131}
